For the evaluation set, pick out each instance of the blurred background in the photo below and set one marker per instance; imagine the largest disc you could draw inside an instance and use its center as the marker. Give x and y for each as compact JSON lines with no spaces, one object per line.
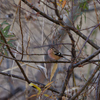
{"x":29,"y":35}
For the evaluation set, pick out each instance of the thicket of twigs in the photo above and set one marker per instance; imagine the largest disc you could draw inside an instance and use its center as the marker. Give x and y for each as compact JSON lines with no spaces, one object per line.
{"x":28,"y":28}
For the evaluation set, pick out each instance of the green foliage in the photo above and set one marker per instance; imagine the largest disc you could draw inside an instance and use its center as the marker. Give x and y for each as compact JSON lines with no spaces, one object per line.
{"x":94,"y":32}
{"x":77,"y":15}
{"x":84,"y":5}
{"x":67,"y":11}
{"x":4,"y":27}
{"x":78,"y":27}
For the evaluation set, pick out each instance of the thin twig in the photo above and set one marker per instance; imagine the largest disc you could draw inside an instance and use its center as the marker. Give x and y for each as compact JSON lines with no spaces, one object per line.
{"x":47,"y":5}
{"x":98,"y":88}
{"x":63,"y":24}
{"x":15,"y":58}
{"x":21,"y":29}
{"x":35,"y":82}
{"x":87,"y":39}
{"x":35,"y":61}
{"x":87,"y":59}
{"x":40,"y":12}
{"x":86,"y":84}
{"x":84,"y":37}
{"x":56,"y":10}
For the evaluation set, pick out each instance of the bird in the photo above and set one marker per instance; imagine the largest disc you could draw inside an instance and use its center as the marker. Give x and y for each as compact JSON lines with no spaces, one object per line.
{"x":54,"y":54}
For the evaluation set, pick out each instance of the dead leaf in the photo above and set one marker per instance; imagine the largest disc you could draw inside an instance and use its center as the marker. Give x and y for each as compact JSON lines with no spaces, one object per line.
{"x":53,"y":71}
{"x":64,"y":3}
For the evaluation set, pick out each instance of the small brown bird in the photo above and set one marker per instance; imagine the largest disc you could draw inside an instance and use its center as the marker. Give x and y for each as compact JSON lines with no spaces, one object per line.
{"x":54,"y":54}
